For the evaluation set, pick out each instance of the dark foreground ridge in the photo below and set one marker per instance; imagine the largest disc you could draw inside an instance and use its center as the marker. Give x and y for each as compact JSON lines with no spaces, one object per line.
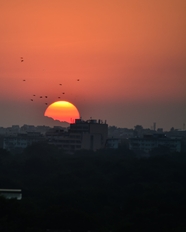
{"x":107,"y":190}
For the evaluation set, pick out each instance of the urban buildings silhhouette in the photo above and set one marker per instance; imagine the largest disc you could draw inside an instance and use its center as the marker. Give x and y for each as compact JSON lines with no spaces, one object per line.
{"x":89,"y":135}
{"x":92,"y":135}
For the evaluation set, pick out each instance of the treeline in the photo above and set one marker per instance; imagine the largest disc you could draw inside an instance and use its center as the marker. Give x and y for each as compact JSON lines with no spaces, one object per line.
{"x":107,"y":190}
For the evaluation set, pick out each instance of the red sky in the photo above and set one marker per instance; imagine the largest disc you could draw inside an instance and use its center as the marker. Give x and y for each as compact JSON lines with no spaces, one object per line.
{"x":129,"y":55}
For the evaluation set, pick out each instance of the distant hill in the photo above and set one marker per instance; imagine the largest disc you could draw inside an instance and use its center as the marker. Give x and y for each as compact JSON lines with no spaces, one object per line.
{"x":51,"y":122}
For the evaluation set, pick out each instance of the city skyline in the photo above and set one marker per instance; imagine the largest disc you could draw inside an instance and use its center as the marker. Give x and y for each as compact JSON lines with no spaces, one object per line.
{"x":120,"y":61}
{"x":49,"y":122}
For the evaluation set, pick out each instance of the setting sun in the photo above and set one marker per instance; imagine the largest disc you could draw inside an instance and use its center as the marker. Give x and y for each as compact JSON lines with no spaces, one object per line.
{"x":63,"y":111}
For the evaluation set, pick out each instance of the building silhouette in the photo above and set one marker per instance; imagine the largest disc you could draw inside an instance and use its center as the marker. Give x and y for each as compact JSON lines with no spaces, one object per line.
{"x":89,"y":135}
{"x":11,"y":193}
{"x":149,"y":142}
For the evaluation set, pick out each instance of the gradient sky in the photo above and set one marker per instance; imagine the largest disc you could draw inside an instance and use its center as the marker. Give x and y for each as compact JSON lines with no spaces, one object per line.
{"x":129,"y":55}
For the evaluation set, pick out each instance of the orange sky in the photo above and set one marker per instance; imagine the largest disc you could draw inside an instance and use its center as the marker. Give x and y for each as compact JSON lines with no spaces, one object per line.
{"x":129,"y":55}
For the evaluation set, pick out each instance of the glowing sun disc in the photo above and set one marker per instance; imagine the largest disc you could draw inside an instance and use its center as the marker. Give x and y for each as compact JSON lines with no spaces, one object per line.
{"x":63,"y":111}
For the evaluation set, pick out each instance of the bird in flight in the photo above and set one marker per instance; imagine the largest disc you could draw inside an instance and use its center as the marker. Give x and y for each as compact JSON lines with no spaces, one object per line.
{"x":31,"y":99}
{"x":22,"y":59}
{"x":24,"y":80}
{"x":60,"y":84}
{"x":77,"y":79}
{"x":40,"y":96}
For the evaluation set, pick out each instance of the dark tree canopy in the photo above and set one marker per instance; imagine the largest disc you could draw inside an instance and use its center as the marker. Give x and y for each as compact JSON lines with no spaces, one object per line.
{"x":107,"y":190}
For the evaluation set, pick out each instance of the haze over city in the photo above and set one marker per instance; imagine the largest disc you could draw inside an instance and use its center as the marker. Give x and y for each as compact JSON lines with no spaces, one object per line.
{"x":120,"y":61}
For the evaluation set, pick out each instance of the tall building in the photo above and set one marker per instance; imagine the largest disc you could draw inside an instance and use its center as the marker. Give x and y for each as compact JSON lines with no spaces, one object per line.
{"x":89,"y":135}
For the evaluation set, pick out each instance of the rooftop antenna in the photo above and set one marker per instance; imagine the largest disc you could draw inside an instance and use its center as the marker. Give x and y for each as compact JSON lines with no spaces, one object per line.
{"x":154,"y":126}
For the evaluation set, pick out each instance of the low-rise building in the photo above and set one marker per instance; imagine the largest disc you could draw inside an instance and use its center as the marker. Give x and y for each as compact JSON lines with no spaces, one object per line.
{"x":149,"y":142}
{"x":11,"y":193}
{"x":112,"y":143}
{"x":20,"y":141}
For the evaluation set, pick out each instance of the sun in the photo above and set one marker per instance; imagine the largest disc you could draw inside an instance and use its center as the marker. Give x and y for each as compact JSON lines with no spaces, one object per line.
{"x":63,"y":111}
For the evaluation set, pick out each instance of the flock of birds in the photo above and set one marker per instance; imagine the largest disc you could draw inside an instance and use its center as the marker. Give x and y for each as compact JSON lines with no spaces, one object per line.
{"x":45,"y":97}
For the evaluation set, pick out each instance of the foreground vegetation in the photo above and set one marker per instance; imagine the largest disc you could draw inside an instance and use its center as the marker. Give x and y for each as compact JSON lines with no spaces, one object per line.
{"x":108,"y":190}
